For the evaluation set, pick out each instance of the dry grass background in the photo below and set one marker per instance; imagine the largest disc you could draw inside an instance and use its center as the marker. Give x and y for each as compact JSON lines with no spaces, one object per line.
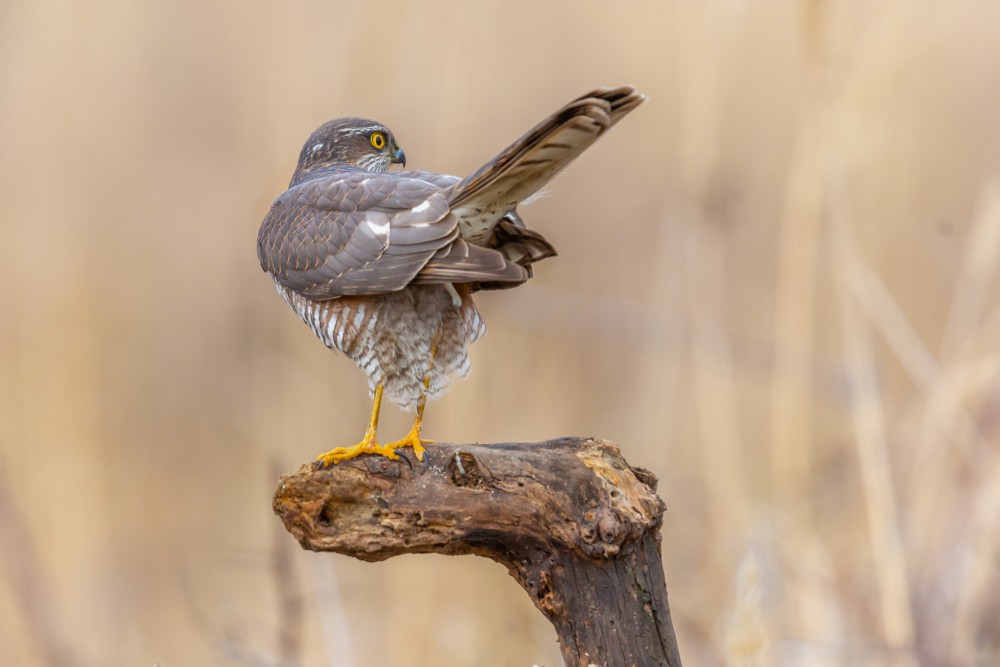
{"x":777,"y":288}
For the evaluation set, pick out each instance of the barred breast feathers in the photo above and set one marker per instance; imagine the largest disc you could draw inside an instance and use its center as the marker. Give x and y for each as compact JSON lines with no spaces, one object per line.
{"x":391,"y":336}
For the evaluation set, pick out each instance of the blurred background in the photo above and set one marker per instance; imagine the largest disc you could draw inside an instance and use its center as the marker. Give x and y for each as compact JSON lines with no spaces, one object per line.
{"x":776,"y":288}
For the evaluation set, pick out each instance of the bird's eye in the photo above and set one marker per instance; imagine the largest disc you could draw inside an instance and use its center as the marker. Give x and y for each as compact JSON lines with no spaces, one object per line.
{"x":378,"y":140}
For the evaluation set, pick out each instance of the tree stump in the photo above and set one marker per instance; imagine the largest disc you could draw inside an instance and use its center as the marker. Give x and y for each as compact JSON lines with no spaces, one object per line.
{"x":575,"y":525}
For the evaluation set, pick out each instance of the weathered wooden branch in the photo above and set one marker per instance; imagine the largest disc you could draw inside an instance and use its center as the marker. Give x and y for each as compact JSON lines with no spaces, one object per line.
{"x":574,"y":524}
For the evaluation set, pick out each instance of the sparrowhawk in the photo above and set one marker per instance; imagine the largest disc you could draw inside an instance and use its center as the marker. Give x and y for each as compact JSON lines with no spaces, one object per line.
{"x":382,"y":265}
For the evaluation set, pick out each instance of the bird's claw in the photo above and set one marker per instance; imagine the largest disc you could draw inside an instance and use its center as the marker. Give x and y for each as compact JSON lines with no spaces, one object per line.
{"x":367,"y":446}
{"x":412,"y":441}
{"x":402,"y":455}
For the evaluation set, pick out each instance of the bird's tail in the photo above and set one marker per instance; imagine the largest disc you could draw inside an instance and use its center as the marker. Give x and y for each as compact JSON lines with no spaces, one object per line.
{"x":483,"y":198}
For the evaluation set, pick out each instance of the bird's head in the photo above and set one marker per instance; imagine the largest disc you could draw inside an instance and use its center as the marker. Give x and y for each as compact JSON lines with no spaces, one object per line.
{"x":359,"y":142}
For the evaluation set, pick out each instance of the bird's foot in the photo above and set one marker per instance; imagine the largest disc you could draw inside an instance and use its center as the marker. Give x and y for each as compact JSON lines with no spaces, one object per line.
{"x":413,"y":441}
{"x":368,"y":445}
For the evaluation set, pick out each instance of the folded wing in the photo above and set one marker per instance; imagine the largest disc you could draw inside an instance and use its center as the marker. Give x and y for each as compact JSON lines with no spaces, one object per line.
{"x":361,"y":233}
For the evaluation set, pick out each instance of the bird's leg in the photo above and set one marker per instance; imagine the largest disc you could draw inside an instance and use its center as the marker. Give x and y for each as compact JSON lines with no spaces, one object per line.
{"x":413,"y":439}
{"x":368,"y":444}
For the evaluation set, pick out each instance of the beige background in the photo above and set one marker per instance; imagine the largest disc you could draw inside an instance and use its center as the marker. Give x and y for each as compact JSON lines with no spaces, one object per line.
{"x":776,"y":288}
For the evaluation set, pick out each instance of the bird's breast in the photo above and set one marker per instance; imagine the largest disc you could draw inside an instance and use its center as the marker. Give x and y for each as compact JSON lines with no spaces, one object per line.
{"x":413,"y":341}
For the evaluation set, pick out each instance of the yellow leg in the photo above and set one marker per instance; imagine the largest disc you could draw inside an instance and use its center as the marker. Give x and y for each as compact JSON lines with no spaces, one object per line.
{"x":368,"y":444}
{"x":413,"y":439}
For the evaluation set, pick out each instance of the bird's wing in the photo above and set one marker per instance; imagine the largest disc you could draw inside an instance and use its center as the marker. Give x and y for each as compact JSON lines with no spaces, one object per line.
{"x":463,"y":262}
{"x":480,"y":200}
{"x":353,"y":233}
{"x":362,"y":233}
{"x":510,"y":236}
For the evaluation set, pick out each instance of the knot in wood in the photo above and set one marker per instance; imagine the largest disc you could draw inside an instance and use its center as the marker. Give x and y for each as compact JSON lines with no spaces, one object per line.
{"x":601,"y":533}
{"x":465,"y":471}
{"x":538,"y":584}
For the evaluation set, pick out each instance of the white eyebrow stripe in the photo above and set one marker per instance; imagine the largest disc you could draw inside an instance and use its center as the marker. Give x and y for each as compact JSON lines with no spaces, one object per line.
{"x":351,"y":131}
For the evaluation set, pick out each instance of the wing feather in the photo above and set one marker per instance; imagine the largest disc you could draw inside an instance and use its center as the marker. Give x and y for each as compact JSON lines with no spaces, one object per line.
{"x":354,"y":233}
{"x":480,"y":200}
{"x":359,"y":233}
{"x":466,"y":263}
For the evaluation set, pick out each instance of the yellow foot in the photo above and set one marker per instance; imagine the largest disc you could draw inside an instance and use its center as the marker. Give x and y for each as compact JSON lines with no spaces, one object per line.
{"x":414,"y":441}
{"x":366,"y":446}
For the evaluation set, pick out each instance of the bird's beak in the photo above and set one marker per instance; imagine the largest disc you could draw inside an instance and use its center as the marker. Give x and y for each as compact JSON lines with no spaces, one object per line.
{"x":399,"y":157}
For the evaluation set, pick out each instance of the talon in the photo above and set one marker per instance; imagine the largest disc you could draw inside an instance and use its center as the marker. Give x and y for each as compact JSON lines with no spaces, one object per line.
{"x":368,"y":444}
{"x":413,"y":441}
{"x":406,"y":458}
{"x":336,"y":455}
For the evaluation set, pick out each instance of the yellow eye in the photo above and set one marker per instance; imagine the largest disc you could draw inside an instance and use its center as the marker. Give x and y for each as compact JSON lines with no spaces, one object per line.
{"x":378,"y":140}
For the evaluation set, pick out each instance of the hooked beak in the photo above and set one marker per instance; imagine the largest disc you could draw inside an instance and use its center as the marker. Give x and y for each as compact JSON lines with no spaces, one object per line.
{"x":399,"y":157}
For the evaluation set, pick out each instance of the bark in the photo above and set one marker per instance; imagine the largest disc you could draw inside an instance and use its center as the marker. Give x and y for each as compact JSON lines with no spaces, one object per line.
{"x":575,"y":525}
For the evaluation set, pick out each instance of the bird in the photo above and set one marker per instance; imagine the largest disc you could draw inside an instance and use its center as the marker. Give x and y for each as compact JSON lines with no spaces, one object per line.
{"x":382,"y":265}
